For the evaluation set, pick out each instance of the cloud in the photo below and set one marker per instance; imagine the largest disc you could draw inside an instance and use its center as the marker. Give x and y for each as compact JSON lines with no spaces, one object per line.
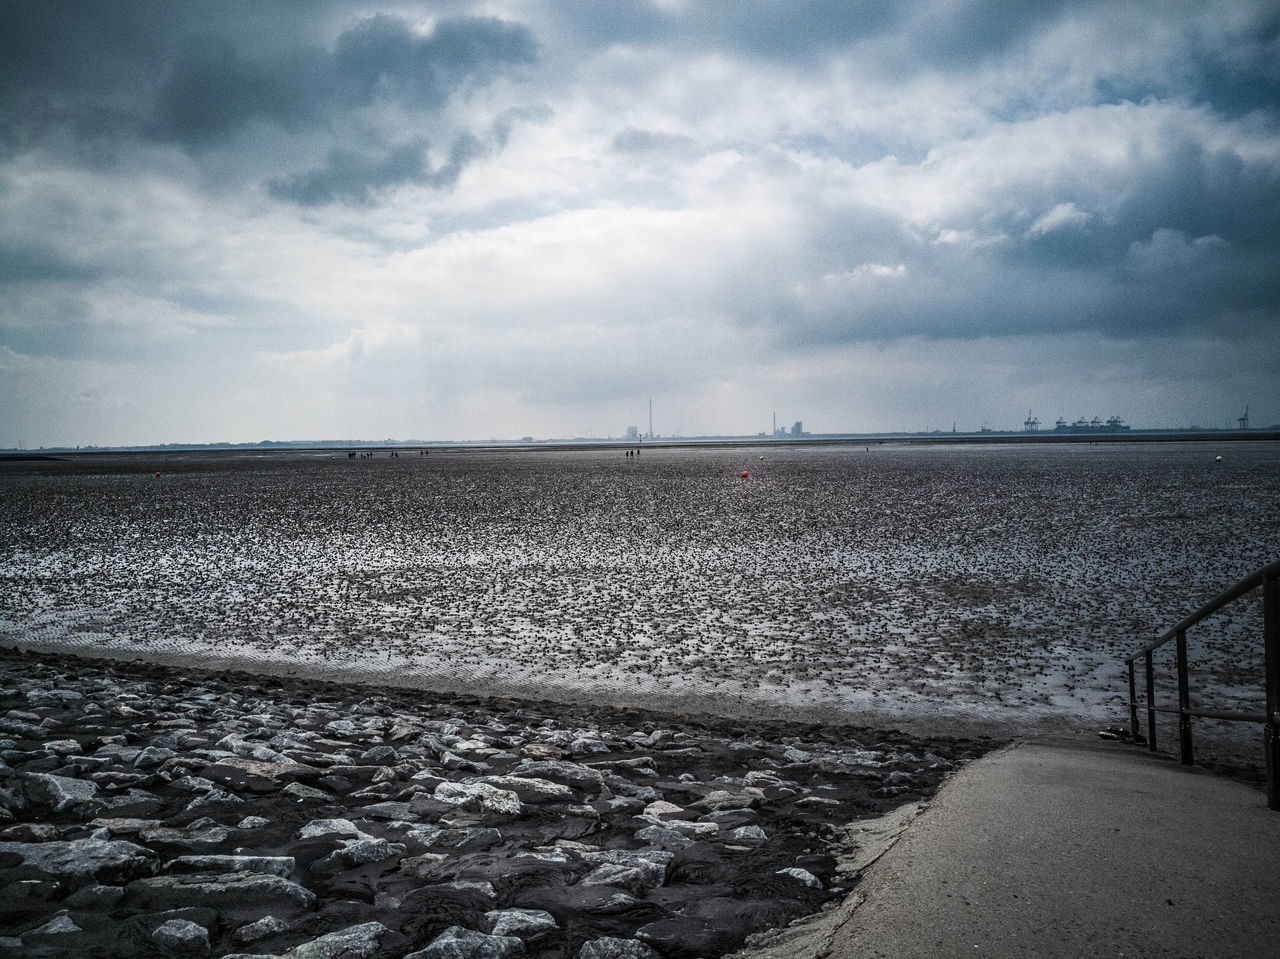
{"x":211,"y":92}
{"x":528,"y":223}
{"x":1061,"y":217}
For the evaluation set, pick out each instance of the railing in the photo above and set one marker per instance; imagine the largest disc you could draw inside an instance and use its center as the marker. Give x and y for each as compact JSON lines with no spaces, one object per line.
{"x":1269,"y":579}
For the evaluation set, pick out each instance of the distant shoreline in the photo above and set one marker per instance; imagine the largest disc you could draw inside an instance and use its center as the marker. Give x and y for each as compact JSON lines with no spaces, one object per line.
{"x":696,"y":442}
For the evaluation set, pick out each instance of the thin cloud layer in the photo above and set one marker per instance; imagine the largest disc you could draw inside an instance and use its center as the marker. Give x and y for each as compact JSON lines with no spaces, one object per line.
{"x":235,"y":222}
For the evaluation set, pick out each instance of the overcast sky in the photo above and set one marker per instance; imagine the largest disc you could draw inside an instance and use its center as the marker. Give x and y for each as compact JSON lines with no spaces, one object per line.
{"x":238,"y":221}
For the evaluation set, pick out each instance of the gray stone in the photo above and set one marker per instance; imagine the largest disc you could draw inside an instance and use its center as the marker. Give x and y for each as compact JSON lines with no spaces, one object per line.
{"x":720,"y":800}
{"x":253,"y":822}
{"x":183,"y":937}
{"x":59,"y":925}
{"x":354,"y":942}
{"x":301,"y":792}
{"x":60,"y":792}
{"x":153,"y":756}
{"x":470,"y":838}
{"x":95,"y":898}
{"x":356,"y":852}
{"x":524,"y":923}
{"x":459,"y":943}
{"x":259,"y":929}
{"x":572,"y":774}
{"x":479,"y":796}
{"x":802,"y":875}
{"x":81,"y":861}
{"x":189,"y":838}
{"x":530,"y":789}
{"x":281,"y":866}
{"x":380,"y":756}
{"x":63,"y":747}
{"x":610,"y":948}
{"x":638,"y":877}
{"x":331,"y":827}
{"x":228,"y":892}
{"x":214,"y":797}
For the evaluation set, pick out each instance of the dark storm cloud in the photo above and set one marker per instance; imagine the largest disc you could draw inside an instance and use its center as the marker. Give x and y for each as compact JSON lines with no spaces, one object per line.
{"x":196,"y":74}
{"x":923,"y":35}
{"x":212,"y":92}
{"x":356,"y":178}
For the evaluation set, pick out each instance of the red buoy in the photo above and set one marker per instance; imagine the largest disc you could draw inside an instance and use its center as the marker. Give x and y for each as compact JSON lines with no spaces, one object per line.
{"x":157,"y":474}
{"x":745,"y":474}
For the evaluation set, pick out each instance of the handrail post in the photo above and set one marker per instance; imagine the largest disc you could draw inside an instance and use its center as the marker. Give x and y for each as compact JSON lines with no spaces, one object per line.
{"x":1271,"y":661}
{"x":1151,"y":704}
{"x":1184,"y":700}
{"x":1133,"y":704}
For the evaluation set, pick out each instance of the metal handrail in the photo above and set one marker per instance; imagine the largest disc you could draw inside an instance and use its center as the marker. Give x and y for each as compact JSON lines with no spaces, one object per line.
{"x":1269,"y":579}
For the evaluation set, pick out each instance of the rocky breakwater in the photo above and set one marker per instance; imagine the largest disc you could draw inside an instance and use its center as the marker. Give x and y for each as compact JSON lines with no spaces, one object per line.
{"x":152,"y":813}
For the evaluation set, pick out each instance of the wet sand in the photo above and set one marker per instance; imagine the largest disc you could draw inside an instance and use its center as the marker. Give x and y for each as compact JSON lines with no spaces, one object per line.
{"x":935,"y":589}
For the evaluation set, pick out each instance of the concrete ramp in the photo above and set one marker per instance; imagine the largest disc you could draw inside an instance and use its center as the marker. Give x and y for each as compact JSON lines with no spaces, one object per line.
{"x":1074,"y":848}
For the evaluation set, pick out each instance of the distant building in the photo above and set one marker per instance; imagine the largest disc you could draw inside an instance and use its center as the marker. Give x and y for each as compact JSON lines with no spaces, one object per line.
{"x":633,"y":433}
{"x":798,"y":429}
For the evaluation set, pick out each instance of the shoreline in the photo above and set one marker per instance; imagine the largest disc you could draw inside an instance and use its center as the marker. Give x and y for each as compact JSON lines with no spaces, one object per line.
{"x":216,"y":812}
{"x":697,"y":706}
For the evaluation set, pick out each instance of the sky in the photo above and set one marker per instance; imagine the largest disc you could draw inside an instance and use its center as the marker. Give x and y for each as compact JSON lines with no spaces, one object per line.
{"x":238,"y":221}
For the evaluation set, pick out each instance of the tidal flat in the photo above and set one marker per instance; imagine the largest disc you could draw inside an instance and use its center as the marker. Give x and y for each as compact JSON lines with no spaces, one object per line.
{"x":938,"y":589}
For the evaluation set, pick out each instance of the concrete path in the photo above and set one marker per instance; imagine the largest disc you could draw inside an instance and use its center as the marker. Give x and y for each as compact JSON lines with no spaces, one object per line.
{"x":1075,"y":848}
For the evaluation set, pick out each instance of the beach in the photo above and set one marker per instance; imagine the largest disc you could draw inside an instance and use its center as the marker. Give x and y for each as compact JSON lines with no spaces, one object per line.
{"x":562,"y":703}
{"x":987,"y":588}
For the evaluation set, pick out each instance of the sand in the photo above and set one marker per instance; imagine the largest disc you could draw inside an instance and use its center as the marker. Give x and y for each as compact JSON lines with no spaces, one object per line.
{"x":940,"y":590}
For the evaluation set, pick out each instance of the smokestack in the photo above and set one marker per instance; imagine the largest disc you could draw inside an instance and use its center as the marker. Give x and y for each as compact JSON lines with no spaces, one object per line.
{"x":650,"y":417}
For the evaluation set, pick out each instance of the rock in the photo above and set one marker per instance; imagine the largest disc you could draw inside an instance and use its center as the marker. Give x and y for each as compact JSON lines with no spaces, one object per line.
{"x":259,"y":929}
{"x":524,"y":923}
{"x":303,"y":793}
{"x":318,"y":828}
{"x":63,"y":747}
{"x":458,"y":943}
{"x":182,"y":937}
{"x":719,"y":801}
{"x":385,"y":810}
{"x":530,"y":789}
{"x":750,"y":834}
{"x":281,"y":866}
{"x":59,"y":925}
{"x":661,"y":809}
{"x":30,"y":832}
{"x":793,"y":755}
{"x":189,"y":838}
{"x":661,"y":836}
{"x":479,"y":796}
{"x":380,"y":756}
{"x":354,"y":942}
{"x":471,"y":839}
{"x":801,"y":875}
{"x":580,"y":777}
{"x":257,"y":775}
{"x":80,"y":861}
{"x":214,"y":797}
{"x":95,"y":898}
{"x":61,"y":792}
{"x":237,"y":892}
{"x":253,"y":822}
{"x":356,"y":852}
{"x":153,"y":756}
{"x":608,"y":947}
{"x":638,"y":877}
